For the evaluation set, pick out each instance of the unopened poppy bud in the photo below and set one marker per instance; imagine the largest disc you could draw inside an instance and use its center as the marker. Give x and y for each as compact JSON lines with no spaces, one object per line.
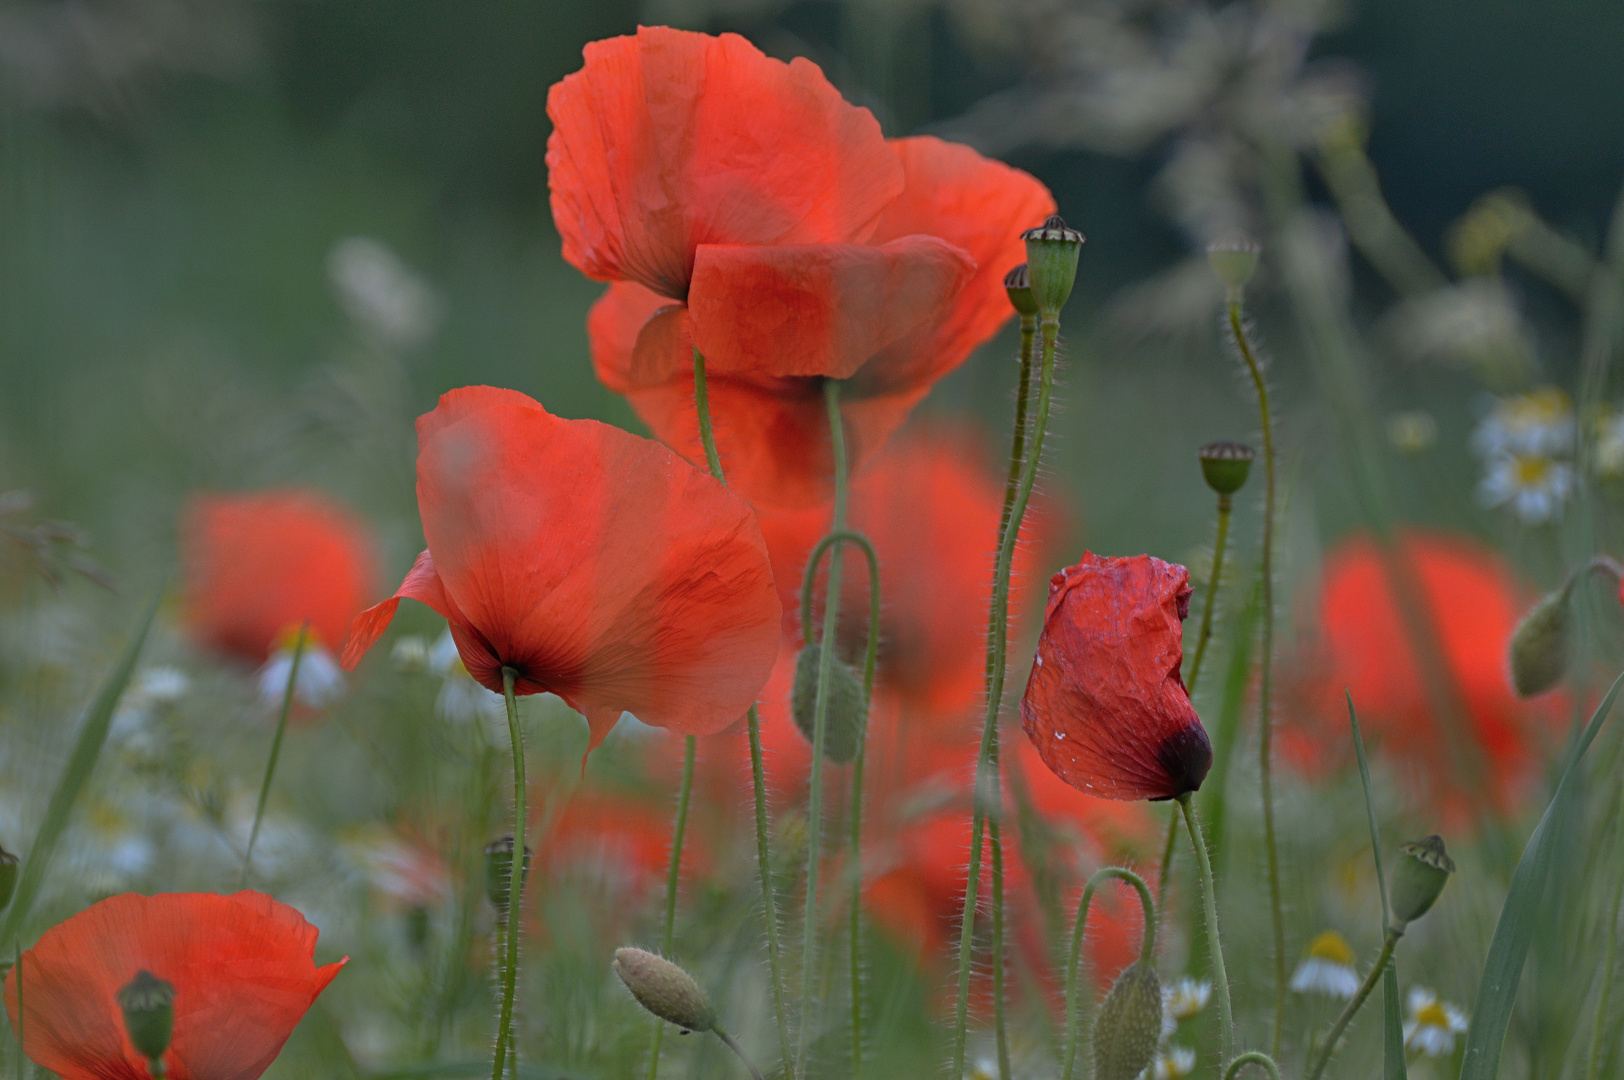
{"x":8,"y":877}
{"x":149,"y":1013}
{"x":664,"y":989}
{"x":1018,"y":284}
{"x":843,"y":720}
{"x":1233,"y":260}
{"x":1539,"y":646}
{"x":1129,"y":1025}
{"x":1051,"y":264}
{"x":1225,"y":465}
{"x":1422,"y":872}
{"x":499,"y":870}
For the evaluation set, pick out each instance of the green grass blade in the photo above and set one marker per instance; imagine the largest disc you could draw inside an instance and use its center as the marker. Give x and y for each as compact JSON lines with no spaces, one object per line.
{"x":1393,"y":1067}
{"x":1370,"y":809}
{"x":1497,"y":990}
{"x":92,"y":736}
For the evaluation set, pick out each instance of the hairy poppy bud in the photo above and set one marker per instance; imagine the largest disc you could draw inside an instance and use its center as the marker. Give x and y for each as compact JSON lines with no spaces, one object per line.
{"x":664,"y":989}
{"x":499,"y":870}
{"x":1225,"y":465}
{"x":1539,"y":646}
{"x":1129,"y":1025}
{"x":8,"y":877}
{"x":149,"y":1013}
{"x":843,"y":720}
{"x":1422,"y":872}
{"x":1051,"y":264}
{"x":1233,"y":260}
{"x":1018,"y":284}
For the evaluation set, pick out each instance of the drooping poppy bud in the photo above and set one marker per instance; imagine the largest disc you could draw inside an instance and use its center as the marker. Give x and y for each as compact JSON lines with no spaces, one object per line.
{"x":844,"y":713}
{"x":499,"y":871}
{"x":1018,"y":284}
{"x":1225,"y":465}
{"x":1129,"y":1025}
{"x":148,"y":1003}
{"x":1233,"y":260}
{"x":8,"y":877}
{"x":664,"y":989}
{"x":1051,"y":264}
{"x":1539,"y":646}
{"x":1422,"y":872}
{"x":1105,"y":704}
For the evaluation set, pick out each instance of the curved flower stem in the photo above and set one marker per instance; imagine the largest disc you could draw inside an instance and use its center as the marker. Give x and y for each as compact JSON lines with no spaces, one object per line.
{"x":1209,"y":900}
{"x":1252,"y":1057}
{"x":510,"y":967}
{"x":1334,"y":1036}
{"x":673,"y":876}
{"x":1147,"y":948}
{"x":758,"y":772}
{"x":987,"y":796}
{"x":276,"y":751}
{"x":820,"y":716}
{"x":727,"y":1040}
{"x":1243,"y":343}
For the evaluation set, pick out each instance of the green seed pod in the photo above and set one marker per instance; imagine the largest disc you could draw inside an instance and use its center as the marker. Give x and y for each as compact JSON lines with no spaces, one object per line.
{"x":1129,"y":1025}
{"x":845,"y":716}
{"x":1226,"y":465}
{"x":8,"y":877}
{"x":499,"y":870}
{"x":1233,"y":260}
{"x":1539,"y":646}
{"x":664,"y":989}
{"x":149,"y":1013}
{"x":1018,"y":284}
{"x":1422,"y":872}
{"x":1051,"y":264}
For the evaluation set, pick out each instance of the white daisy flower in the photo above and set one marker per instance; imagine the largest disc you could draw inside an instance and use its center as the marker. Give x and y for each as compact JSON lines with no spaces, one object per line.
{"x":461,"y":698}
{"x":1186,"y":997}
{"x":1327,"y":968}
{"x":1533,"y":485}
{"x":152,"y":689}
{"x":1432,"y":1024}
{"x":1174,"y":1062}
{"x":319,"y":682}
{"x":410,"y":653}
{"x":1540,"y":423}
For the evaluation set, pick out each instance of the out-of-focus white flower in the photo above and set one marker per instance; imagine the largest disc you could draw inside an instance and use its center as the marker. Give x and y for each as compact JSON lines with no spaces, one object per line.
{"x":1534,"y":486}
{"x":406,"y":872}
{"x":1327,"y":968}
{"x":1432,"y":1024}
{"x":1412,"y":432}
{"x":1186,"y":997}
{"x":386,"y":299}
{"x":1174,"y":1062}
{"x":461,"y":698}
{"x":320,"y":682}
{"x":1537,"y":423}
{"x":1476,"y":322}
{"x":151,"y":689}
{"x":984,"y":1069}
{"x":410,"y":653}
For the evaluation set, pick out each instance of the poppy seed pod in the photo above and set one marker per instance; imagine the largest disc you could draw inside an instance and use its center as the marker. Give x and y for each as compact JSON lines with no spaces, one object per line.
{"x":1018,"y":284}
{"x":664,"y":989}
{"x":1539,"y":646}
{"x":1129,"y":1025}
{"x":1051,"y":264}
{"x":1233,"y":260}
{"x":499,"y":870}
{"x":8,"y":877}
{"x":1422,"y":872}
{"x":843,"y":720}
{"x":149,"y":1013}
{"x":1226,"y":465}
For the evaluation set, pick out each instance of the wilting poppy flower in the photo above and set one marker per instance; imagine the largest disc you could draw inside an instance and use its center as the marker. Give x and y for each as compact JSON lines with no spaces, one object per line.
{"x":596,"y":564}
{"x":1359,"y":642}
{"x":1105,"y":704}
{"x":241,"y":967}
{"x":743,"y":209}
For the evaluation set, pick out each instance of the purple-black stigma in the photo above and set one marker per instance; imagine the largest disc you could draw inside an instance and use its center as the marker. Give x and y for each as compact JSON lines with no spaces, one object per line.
{"x":1185,"y":756}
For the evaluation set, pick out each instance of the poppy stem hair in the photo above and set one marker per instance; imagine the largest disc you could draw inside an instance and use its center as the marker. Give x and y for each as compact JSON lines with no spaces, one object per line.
{"x":299,"y":643}
{"x":510,"y":966}
{"x":1147,"y":948}
{"x":1215,"y":948}
{"x":758,"y":772}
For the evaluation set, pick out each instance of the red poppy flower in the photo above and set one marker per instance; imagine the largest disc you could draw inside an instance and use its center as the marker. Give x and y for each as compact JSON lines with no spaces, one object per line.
{"x":241,"y":967}
{"x":741,"y":207}
{"x":1105,"y":704}
{"x":259,"y":566}
{"x":596,"y":564}
{"x":1473,"y":601}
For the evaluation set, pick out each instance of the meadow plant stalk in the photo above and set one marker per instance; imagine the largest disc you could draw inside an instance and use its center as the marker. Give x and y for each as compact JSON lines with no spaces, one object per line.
{"x":1598,"y":1033}
{"x":1215,"y":947}
{"x":1147,"y":951}
{"x":510,"y":967}
{"x":1252,"y":1057}
{"x":1354,"y":1004}
{"x":276,"y":751}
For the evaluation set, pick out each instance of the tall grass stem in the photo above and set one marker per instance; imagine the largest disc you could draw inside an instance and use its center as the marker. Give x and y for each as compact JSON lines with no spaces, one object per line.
{"x":276,"y":751}
{"x":510,"y":967}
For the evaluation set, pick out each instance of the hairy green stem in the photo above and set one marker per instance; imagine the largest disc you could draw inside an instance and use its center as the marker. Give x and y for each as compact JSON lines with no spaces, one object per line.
{"x":510,"y":967}
{"x":276,"y":751}
{"x":673,"y":876}
{"x":1225,"y":503}
{"x":1334,"y":1036}
{"x":1252,"y":1057}
{"x":1147,"y":949}
{"x":987,"y":796}
{"x":1000,"y":1034}
{"x":1215,"y":948}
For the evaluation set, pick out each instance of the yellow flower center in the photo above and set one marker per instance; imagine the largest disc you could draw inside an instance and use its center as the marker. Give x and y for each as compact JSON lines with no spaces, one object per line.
{"x":1432,"y":1015}
{"x":1532,"y":471}
{"x":1331,"y":946}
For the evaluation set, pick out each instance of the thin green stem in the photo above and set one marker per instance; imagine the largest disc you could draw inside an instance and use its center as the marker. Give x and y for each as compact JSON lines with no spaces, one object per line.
{"x":510,"y":968}
{"x":1017,"y":452}
{"x":1164,"y":872}
{"x":727,"y":1040}
{"x":987,"y":797}
{"x":1252,"y":1057}
{"x":673,"y":875}
{"x":1147,"y":949}
{"x":1225,"y":503}
{"x":1215,"y":948}
{"x":1598,"y":1032}
{"x":1334,"y":1036}
{"x":276,"y":751}
{"x":1266,"y":669}
{"x":1000,"y":1035}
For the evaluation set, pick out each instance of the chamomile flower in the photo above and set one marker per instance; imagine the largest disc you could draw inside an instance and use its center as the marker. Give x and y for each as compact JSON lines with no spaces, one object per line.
{"x":1186,"y":997}
{"x":1539,"y":423}
{"x":1174,"y":1062}
{"x":461,"y":698}
{"x":1432,"y":1024}
{"x":1327,"y":968}
{"x":1533,"y":485}
{"x":319,"y":682}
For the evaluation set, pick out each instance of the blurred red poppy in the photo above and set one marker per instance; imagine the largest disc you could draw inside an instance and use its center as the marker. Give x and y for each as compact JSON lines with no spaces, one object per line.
{"x":596,"y":564}
{"x":620,"y":836}
{"x":1359,"y":643}
{"x":741,"y":207}
{"x":1105,"y":704}
{"x":259,"y":566}
{"x":241,"y":967}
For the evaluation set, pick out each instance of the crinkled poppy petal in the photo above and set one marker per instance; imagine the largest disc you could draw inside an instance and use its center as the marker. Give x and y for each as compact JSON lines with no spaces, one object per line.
{"x":1105,"y":704}
{"x":670,"y":139}
{"x":599,"y":565}
{"x":241,"y":966}
{"x":422,"y":583}
{"x":615,"y":325}
{"x":818,"y":309}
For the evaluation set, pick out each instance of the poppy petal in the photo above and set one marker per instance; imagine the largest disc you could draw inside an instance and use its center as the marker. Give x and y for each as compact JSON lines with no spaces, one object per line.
{"x":422,"y":583}
{"x":669,"y":139}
